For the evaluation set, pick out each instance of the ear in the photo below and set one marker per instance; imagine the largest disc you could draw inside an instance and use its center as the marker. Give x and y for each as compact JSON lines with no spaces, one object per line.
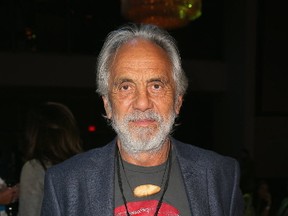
{"x":178,"y":104}
{"x":107,"y":107}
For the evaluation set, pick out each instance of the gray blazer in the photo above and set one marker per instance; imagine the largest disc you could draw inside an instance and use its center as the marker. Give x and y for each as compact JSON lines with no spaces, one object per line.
{"x":84,"y":184}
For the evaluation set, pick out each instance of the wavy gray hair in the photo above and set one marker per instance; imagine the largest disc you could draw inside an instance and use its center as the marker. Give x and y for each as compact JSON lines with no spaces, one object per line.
{"x":129,"y":32}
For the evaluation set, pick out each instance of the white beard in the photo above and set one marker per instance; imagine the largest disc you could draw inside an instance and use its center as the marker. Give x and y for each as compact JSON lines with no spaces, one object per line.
{"x":135,"y":140}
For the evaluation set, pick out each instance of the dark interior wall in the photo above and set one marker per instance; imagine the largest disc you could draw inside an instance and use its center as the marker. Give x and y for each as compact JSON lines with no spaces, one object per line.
{"x":41,"y":82}
{"x":271,"y":116}
{"x":234,"y":56}
{"x":61,"y":26}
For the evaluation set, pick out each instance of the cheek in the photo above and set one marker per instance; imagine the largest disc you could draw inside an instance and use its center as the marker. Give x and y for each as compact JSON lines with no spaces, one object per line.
{"x":164,"y":107}
{"x":120,"y":106}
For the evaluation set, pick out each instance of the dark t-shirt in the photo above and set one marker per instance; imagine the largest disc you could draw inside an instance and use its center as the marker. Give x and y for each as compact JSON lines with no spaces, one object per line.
{"x":175,"y":200}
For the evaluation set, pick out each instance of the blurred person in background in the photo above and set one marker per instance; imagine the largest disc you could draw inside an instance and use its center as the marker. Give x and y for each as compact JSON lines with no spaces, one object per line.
{"x":52,"y":137}
{"x":262,"y":199}
{"x":10,"y":165}
{"x":283,"y":208}
{"x":8,"y":195}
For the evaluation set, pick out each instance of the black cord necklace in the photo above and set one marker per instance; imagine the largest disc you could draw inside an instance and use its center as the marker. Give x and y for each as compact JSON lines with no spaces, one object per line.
{"x":169,"y":162}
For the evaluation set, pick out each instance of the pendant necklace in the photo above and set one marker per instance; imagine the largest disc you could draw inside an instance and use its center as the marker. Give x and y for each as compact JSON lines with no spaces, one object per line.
{"x":152,"y":189}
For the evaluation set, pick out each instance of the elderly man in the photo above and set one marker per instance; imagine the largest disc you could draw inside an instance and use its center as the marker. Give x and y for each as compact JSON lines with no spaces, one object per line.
{"x":143,"y":171}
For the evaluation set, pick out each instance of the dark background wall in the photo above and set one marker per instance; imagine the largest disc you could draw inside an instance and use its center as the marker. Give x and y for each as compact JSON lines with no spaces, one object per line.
{"x":234,"y":55}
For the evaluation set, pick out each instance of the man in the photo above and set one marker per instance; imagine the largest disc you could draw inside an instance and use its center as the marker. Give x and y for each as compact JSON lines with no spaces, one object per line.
{"x":143,"y":171}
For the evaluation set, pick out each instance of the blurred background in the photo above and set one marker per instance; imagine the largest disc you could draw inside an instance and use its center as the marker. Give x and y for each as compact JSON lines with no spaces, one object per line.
{"x":234,"y":55}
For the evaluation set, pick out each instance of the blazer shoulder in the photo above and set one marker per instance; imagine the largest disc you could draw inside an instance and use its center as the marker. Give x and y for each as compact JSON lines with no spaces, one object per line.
{"x":90,"y":159}
{"x":201,"y":156}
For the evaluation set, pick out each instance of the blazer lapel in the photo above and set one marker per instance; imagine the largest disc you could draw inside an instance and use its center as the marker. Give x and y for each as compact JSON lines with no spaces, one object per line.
{"x":195,"y":180}
{"x":100,"y":182}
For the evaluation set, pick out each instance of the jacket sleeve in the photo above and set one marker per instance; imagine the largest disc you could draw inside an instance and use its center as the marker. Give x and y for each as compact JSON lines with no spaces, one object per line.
{"x":237,"y":202}
{"x":31,"y":187}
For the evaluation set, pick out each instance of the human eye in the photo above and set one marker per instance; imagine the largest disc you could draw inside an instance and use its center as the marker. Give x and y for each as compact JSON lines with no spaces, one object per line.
{"x":157,"y":87}
{"x":124,"y":87}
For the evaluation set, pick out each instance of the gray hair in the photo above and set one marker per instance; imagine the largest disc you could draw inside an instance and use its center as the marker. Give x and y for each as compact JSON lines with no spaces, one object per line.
{"x":128,"y":32}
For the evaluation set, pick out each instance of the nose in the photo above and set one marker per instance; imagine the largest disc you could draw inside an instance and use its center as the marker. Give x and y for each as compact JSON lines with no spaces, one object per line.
{"x":142,"y":100}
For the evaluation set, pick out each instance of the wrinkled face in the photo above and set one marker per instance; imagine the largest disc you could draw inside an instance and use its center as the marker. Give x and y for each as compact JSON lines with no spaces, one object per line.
{"x":142,"y":103}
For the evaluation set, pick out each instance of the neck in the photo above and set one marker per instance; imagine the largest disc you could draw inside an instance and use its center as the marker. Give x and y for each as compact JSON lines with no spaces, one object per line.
{"x":146,"y":158}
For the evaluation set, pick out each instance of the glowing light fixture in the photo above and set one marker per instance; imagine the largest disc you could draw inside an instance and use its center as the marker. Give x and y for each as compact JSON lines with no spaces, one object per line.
{"x":169,"y":14}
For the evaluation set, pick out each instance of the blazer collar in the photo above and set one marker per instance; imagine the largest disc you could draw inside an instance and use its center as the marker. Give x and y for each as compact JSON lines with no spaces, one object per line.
{"x":100,"y":185}
{"x":195,"y":178}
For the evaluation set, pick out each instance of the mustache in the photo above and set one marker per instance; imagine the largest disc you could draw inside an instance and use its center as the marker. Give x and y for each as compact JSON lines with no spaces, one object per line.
{"x":146,"y":115}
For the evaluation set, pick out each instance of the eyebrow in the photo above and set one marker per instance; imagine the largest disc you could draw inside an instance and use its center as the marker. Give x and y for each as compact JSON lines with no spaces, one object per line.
{"x":156,"y":79}
{"x":121,"y":80}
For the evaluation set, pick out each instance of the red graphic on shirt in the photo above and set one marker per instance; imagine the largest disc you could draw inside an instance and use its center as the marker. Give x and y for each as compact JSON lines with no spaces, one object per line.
{"x":146,"y":208}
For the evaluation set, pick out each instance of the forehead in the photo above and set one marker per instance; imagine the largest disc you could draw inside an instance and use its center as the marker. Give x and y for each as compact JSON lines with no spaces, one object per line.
{"x":141,"y":57}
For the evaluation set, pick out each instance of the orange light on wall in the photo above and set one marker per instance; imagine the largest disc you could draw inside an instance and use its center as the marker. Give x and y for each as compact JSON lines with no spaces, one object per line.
{"x":168,"y":14}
